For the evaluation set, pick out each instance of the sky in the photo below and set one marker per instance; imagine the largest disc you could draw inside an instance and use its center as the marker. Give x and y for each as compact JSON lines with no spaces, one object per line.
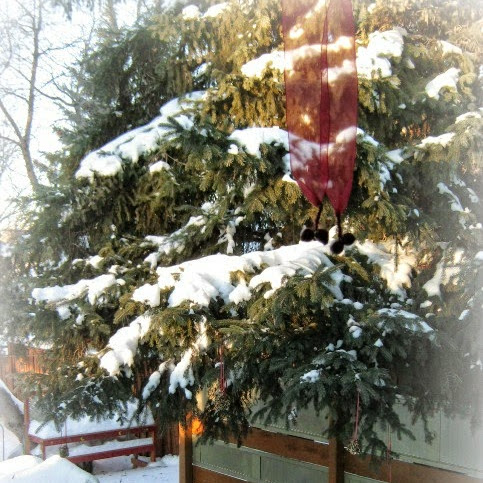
{"x":58,"y":32}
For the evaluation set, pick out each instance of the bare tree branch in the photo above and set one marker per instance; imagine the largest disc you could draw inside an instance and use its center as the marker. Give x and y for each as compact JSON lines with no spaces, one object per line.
{"x":11,"y":120}
{"x":33,"y":29}
{"x":10,"y":140}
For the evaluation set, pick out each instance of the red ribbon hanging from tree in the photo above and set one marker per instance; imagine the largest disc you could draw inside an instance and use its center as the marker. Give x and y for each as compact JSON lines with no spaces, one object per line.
{"x":321,"y":97}
{"x":222,"y":381}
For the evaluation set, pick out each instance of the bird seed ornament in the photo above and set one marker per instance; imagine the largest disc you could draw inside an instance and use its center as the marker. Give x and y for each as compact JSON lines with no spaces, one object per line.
{"x":321,"y":97}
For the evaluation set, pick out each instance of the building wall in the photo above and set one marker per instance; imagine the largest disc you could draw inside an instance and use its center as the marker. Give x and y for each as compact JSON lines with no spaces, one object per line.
{"x":299,"y":454}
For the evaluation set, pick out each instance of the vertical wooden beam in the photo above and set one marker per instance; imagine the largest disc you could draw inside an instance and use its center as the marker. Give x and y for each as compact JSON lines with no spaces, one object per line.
{"x":153,"y":451}
{"x":26,"y":424}
{"x":185,"y":453}
{"x":336,"y":461}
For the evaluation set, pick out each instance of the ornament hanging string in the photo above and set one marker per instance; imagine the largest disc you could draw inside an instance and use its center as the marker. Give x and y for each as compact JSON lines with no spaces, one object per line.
{"x":388,"y":454}
{"x":353,"y":447}
{"x":222,"y":381}
{"x":356,"y":426}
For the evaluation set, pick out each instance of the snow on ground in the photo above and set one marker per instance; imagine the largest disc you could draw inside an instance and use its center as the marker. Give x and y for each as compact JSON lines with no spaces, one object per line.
{"x":11,"y":423}
{"x":10,"y":445}
{"x":16,"y":401}
{"x":31,"y":469}
{"x":119,"y":470}
{"x":55,"y":469}
{"x":19,"y":463}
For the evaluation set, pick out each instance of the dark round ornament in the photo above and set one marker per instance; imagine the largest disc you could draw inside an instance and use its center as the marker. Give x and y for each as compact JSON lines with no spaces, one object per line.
{"x":322,"y":236}
{"x":64,"y":451}
{"x":337,"y":247}
{"x":307,"y":234}
{"x":348,"y":238}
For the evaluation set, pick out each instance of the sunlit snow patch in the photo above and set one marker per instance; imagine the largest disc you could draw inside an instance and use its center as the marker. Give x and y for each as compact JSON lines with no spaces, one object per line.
{"x":93,"y":288}
{"x":448,"y":79}
{"x":373,"y":61}
{"x":109,"y":159}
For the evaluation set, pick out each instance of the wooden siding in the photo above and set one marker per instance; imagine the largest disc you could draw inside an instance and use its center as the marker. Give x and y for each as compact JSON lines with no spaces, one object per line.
{"x":299,"y":454}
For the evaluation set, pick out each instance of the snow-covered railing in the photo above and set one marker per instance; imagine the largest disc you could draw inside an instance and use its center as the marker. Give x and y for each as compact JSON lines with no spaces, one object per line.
{"x":119,"y":439}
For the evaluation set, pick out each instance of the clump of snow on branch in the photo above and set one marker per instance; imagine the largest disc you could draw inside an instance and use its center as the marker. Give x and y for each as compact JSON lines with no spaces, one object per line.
{"x":94,"y":288}
{"x":108,"y":160}
{"x":216,"y":10}
{"x":155,"y":378}
{"x":228,"y":234}
{"x":413,"y":322}
{"x":443,"y":140}
{"x":148,"y":294}
{"x":395,"y":156}
{"x":448,"y":79}
{"x":447,"y":270}
{"x":373,"y":60}
{"x":256,"y":67}
{"x":192,"y":12}
{"x":397,"y":275}
{"x":64,"y":312}
{"x":468,"y":115}
{"x":182,"y":375}
{"x":311,"y":376}
{"x":123,"y":345}
{"x":366,"y":138}
{"x":174,"y":242}
{"x":208,"y":278}
{"x":159,"y":166}
{"x":449,"y":48}
{"x":455,"y":202}
{"x":205,"y":279}
{"x":253,"y":137}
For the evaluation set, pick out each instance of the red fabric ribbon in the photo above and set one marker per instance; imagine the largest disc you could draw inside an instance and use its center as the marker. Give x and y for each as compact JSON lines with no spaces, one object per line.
{"x":356,"y":426}
{"x":321,"y":96}
{"x":222,"y":371}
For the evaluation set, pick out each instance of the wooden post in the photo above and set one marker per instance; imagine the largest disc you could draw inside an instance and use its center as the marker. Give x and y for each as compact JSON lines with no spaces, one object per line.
{"x":185,"y":453}
{"x":336,"y":461}
{"x":153,"y":451}
{"x":26,"y":424}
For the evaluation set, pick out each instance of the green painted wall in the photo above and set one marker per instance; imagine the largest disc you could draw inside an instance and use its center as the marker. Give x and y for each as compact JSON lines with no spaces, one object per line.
{"x":456,"y":447}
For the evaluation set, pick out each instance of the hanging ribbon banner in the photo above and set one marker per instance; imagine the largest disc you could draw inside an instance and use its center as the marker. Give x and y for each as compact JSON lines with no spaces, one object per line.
{"x":321,"y":96}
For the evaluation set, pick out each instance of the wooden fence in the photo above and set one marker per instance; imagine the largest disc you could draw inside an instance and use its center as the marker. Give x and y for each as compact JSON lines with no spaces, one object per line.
{"x":16,"y":359}
{"x":275,"y":454}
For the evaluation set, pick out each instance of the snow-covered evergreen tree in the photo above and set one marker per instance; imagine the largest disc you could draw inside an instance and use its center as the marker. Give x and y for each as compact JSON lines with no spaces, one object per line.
{"x":165,"y":260}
